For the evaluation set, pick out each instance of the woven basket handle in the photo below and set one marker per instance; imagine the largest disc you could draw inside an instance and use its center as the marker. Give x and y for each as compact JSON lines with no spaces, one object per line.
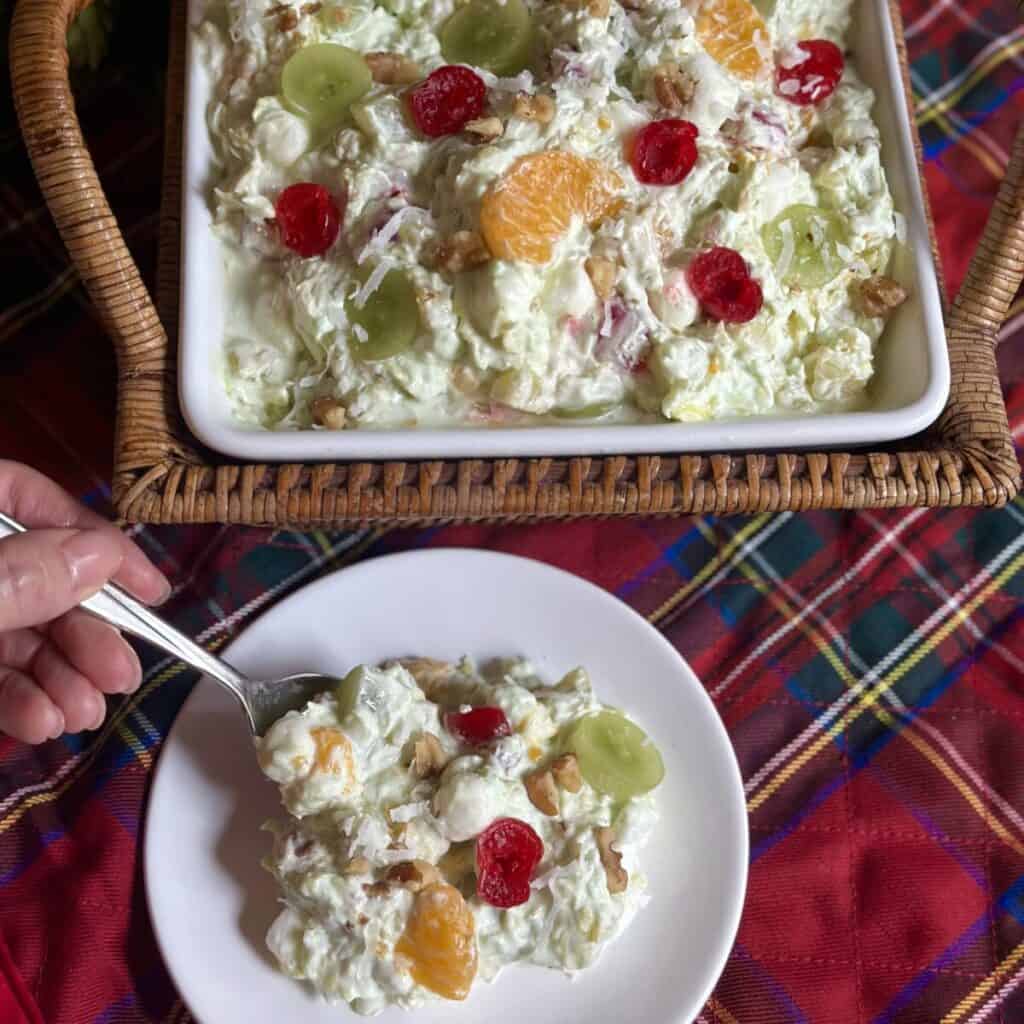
{"x":978,"y":416}
{"x":42,"y":94}
{"x":67,"y":177}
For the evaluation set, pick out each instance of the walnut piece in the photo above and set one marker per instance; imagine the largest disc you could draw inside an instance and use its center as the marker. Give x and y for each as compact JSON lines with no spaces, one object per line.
{"x":611,"y":860}
{"x":287,"y":17}
{"x":595,"y":8}
{"x":413,"y":874}
{"x":428,"y":756}
{"x":538,"y":108}
{"x":673,"y":88}
{"x":602,"y":274}
{"x":313,"y":8}
{"x":880,"y":295}
{"x":392,"y":68}
{"x":566,"y":770}
{"x":377,"y":889}
{"x":459,"y":862}
{"x":463,"y":250}
{"x":328,"y":412}
{"x":466,"y":380}
{"x":485,"y":129}
{"x":429,"y":673}
{"x":543,"y":794}
{"x":357,"y":866}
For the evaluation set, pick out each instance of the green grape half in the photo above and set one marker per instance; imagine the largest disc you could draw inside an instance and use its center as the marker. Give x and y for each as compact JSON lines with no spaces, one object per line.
{"x":615,"y":755}
{"x":592,"y":411}
{"x":322,"y":80}
{"x":390,"y":318}
{"x":815,"y":235}
{"x":497,"y":36}
{"x":347,"y":692}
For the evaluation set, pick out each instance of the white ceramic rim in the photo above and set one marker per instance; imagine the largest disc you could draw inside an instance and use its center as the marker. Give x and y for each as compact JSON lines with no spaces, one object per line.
{"x":206,"y":410}
{"x":733,"y":809}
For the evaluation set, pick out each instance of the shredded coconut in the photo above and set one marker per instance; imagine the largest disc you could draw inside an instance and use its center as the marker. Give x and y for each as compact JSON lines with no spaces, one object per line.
{"x":372,"y":283}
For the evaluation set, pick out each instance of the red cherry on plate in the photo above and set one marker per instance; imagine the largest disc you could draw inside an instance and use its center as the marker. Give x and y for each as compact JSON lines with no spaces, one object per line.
{"x":478,"y":725}
{"x":810,"y":81}
{"x":664,"y":152}
{"x":308,"y":219}
{"x":507,"y":852}
{"x":446,"y":99}
{"x":720,"y":278}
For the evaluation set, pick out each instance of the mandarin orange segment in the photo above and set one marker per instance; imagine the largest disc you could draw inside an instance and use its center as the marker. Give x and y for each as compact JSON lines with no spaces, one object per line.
{"x":735,"y":35}
{"x":329,"y":743}
{"x":531,"y":207}
{"x":439,"y":942}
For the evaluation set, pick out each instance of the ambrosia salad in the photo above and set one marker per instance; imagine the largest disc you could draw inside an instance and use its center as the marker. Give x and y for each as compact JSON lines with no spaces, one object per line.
{"x":502,"y":212}
{"x":447,"y":822}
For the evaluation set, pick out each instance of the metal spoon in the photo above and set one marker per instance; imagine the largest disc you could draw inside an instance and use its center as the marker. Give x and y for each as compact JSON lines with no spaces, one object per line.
{"x":264,"y":701}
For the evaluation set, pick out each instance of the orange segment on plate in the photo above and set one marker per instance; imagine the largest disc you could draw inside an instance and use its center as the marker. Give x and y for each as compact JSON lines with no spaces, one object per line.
{"x":734,"y":34}
{"x":439,"y":942}
{"x":530,"y":208}
{"x":328,"y":742}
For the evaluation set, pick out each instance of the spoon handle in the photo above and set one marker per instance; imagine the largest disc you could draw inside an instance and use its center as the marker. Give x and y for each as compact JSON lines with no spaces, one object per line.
{"x":118,"y":608}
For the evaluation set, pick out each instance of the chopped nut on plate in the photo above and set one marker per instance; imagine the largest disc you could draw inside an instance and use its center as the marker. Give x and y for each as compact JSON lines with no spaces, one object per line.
{"x":673,"y":88}
{"x":463,"y":250}
{"x":485,"y":129}
{"x":611,"y":859}
{"x":538,"y":108}
{"x":413,"y":874}
{"x":428,"y":756}
{"x":377,"y":889}
{"x":392,"y":68}
{"x":328,"y":412}
{"x":357,"y":866}
{"x":599,"y":8}
{"x":543,"y":794}
{"x":602,"y":274}
{"x":312,"y":8}
{"x":880,"y":295}
{"x":566,"y":770}
{"x":428,"y":673}
{"x":459,"y":862}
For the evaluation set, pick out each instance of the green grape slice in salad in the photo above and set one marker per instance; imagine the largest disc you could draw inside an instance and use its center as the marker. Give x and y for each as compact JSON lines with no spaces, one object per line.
{"x":388,"y":322}
{"x":496,"y":35}
{"x":803,"y":243}
{"x":615,"y":755}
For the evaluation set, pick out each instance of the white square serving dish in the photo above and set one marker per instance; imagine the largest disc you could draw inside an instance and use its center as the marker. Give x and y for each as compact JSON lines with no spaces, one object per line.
{"x":907,"y":394}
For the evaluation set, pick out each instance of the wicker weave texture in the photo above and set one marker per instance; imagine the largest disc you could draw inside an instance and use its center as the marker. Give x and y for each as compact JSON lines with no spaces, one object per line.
{"x":162,"y":475}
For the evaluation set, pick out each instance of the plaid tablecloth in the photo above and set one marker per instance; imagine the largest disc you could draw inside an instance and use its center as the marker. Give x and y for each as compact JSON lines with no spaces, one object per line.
{"x":869,"y":667}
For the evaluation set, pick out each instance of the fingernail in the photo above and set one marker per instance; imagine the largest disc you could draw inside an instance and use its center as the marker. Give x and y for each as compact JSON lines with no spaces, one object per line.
{"x":164,"y":595}
{"x":56,"y":729}
{"x":101,"y":712}
{"x":93,"y":556}
{"x":134,"y":667}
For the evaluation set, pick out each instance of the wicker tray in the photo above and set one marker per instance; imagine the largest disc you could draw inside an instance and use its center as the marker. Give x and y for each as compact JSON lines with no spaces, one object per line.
{"x":162,"y":474}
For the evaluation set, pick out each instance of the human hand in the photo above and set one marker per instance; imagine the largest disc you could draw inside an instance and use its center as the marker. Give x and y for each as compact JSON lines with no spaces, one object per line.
{"x":57,"y":663}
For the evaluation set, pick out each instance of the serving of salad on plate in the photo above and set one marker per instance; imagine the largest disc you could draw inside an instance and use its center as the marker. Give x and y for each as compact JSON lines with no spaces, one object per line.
{"x":447,"y":822}
{"x":514,"y":212}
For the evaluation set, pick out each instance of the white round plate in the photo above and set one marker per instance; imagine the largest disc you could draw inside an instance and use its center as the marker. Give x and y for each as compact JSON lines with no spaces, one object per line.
{"x":211,"y":902}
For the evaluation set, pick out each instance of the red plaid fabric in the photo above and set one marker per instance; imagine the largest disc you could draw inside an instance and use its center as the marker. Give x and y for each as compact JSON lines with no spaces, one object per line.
{"x":868,"y":666}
